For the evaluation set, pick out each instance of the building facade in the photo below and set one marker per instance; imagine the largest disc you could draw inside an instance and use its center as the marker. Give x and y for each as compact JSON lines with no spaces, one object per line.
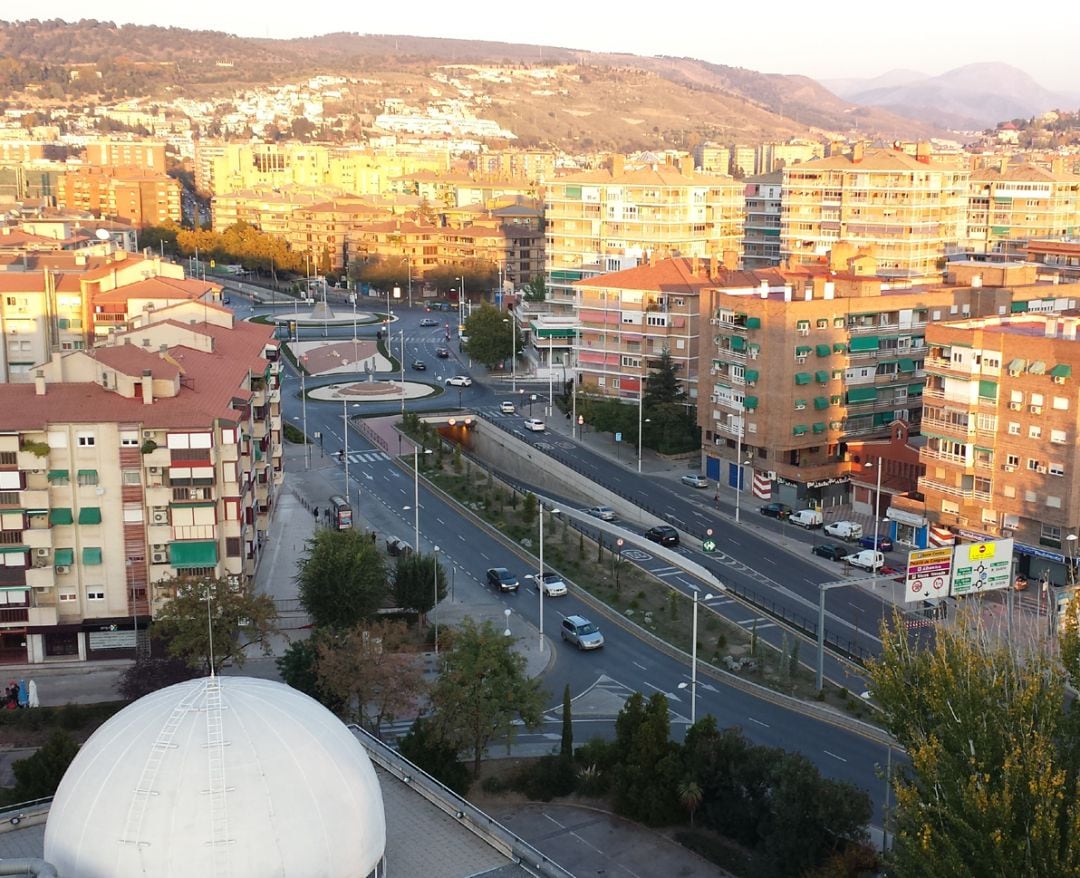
{"x":761,"y":225}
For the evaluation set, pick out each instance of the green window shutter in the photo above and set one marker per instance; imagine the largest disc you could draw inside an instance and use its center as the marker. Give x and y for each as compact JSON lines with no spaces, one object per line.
{"x":738,"y":343}
{"x":750,"y":403}
{"x":91,"y":556}
{"x":800,"y":404}
{"x":751,"y":375}
{"x":802,"y":324}
{"x":819,"y":427}
{"x":573,"y":192}
{"x":916,"y":389}
{"x":753,"y":323}
{"x":882,"y":419}
{"x":802,"y":378}
{"x":63,"y":323}
{"x":1018,"y":307}
{"x":839,"y":347}
{"x":822,"y":350}
{"x":1062,"y":370}
{"x":906,"y":364}
{"x":864,"y":343}
{"x":58,"y":475}
{"x":799,"y":429}
{"x":802,"y":350}
{"x":820,"y":403}
{"x":200,"y":553}
{"x":64,"y":557}
{"x":988,"y":390}
{"x":821,"y":376}
{"x":90,"y":515}
{"x":861,"y":394}
{"x":836,"y":399}
{"x":61,"y":515}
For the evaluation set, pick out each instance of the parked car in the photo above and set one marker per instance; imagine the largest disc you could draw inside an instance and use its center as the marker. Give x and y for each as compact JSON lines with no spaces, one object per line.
{"x":775,"y":510}
{"x":507,"y":407}
{"x":844,"y":530}
{"x":604,"y":513}
{"x":552,"y":584}
{"x":459,"y":381}
{"x":867,"y":559}
{"x":808,"y":518}
{"x":884,"y":544}
{"x":695,"y":480}
{"x":419,"y":365}
{"x":581,"y":632}
{"x":664,"y":534}
{"x":536,"y":425}
{"x":502,"y":579}
{"x":442,"y":353}
{"x":429,"y":321}
{"x":832,"y":551}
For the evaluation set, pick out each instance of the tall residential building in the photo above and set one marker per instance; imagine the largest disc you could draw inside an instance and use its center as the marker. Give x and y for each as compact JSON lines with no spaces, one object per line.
{"x":761,"y":226}
{"x":909,"y":210}
{"x":608,"y":220}
{"x":1010,"y":205}
{"x":774,"y":156}
{"x":1002,"y":421}
{"x":627,"y":319}
{"x":125,"y":466}
{"x":139,"y":198}
{"x":144,"y":155}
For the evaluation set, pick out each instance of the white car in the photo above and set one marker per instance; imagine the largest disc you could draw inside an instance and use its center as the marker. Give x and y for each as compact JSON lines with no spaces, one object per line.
{"x":507,"y":407}
{"x":695,"y":481}
{"x":459,"y":381}
{"x":534,"y":424}
{"x":604,"y":513}
{"x":867,"y":559}
{"x":553,"y":585}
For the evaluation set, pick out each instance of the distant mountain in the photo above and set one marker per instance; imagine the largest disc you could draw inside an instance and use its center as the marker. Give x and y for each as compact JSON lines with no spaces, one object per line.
{"x":845,"y":88}
{"x":974,"y":96}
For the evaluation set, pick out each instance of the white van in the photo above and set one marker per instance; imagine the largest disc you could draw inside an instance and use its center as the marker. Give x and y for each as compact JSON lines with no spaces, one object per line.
{"x":867,"y":559}
{"x":844,"y":530}
{"x":808,"y":518}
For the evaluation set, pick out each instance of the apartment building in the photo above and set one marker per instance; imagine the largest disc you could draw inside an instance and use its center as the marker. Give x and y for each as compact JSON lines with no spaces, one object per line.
{"x":125,"y":466}
{"x":911,"y":211}
{"x":761,"y":226}
{"x":1001,"y":419}
{"x":627,"y":319}
{"x":1012,"y":204}
{"x":138,"y":198}
{"x":144,"y":155}
{"x":612,"y":219}
{"x":528,"y":165}
{"x":1060,"y":257}
{"x":803,"y":361}
{"x":713,"y":158}
{"x":772,"y":157}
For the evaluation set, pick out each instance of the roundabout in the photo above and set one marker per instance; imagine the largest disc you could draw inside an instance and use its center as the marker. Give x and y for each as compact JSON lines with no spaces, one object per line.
{"x":373,"y":391}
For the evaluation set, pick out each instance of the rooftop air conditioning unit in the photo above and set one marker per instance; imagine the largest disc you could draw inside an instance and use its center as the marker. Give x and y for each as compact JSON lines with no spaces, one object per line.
{"x":154,"y":470}
{"x":1009,"y":468}
{"x":159,"y":558}
{"x":62,"y":569}
{"x":160,"y":516}
{"x":1015,"y":406}
{"x":1036,"y":409}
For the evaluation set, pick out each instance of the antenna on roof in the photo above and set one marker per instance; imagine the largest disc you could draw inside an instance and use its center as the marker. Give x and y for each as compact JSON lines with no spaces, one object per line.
{"x":210,"y":628}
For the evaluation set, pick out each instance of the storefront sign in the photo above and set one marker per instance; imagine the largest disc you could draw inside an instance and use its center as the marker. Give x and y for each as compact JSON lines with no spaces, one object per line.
{"x":1036,"y":552}
{"x":122,"y":638}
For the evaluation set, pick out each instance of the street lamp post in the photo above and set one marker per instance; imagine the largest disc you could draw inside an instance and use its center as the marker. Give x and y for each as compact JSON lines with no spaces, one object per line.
{"x":408,"y":266}
{"x":738,"y":461}
{"x":512,"y":320}
{"x":540,"y":578}
{"x":822,"y":588}
{"x":551,"y":376}
{"x":435,"y":556}
{"x":877,"y":517}
{"x":416,"y":494}
{"x":640,"y":420}
{"x":345,"y":427}
{"x":693,"y":661}
{"x":303,"y":409}
{"x":402,"y":370}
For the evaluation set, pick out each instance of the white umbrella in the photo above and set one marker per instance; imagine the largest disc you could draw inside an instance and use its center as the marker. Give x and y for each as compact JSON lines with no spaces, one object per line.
{"x":32,"y":696}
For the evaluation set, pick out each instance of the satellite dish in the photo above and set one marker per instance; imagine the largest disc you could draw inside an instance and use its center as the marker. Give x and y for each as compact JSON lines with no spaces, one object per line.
{"x":102,"y":234}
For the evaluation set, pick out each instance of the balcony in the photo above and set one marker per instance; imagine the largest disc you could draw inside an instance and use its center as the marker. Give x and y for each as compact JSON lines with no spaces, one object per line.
{"x":158,"y":496}
{"x":45,"y":616}
{"x":27,"y":460}
{"x":275,"y":422}
{"x":37,"y":538}
{"x":159,"y":457}
{"x":14,"y":615}
{"x":40,"y":577}
{"x":36,"y":498}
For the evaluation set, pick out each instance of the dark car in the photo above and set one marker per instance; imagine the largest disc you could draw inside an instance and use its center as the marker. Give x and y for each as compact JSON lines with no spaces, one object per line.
{"x":502,"y":579}
{"x":429,"y":321}
{"x":419,"y":365}
{"x":442,"y":353}
{"x":832,"y":551}
{"x":884,"y":544}
{"x":664,"y":534}
{"x":775,"y":510}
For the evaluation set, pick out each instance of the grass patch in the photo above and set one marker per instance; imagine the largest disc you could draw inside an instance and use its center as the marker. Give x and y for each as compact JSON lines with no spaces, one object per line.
{"x":294,"y":435}
{"x":32,"y":727}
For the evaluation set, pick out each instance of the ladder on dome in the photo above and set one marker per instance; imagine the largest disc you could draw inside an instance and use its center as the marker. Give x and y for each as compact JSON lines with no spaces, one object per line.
{"x":145,"y":789}
{"x":215,"y":749}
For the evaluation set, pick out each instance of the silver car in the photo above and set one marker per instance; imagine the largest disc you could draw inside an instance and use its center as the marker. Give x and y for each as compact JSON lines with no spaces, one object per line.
{"x":604,"y":513}
{"x":695,"y":481}
{"x":581,"y":632}
{"x":553,"y":585}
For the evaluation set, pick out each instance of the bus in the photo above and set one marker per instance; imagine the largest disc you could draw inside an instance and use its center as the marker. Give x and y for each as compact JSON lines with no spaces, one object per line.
{"x":340,"y":513}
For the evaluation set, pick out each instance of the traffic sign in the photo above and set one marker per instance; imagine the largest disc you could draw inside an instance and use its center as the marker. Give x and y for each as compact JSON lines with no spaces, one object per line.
{"x":708,"y":545}
{"x":928,"y":574}
{"x":983,"y":566}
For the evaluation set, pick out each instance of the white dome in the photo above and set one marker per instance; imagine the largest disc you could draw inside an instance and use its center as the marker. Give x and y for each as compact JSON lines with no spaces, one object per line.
{"x":226,"y":776}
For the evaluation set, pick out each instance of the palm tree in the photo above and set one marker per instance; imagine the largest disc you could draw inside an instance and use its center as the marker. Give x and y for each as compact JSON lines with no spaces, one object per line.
{"x":690,"y":796}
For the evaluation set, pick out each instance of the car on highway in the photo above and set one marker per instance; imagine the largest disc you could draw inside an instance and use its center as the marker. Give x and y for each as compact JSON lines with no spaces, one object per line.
{"x":536,"y":425}
{"x":507,"y":407}
{"x":552,"y":584}
{"x":604,"y":513}
{"x":867,"y":559}
{"x":832,"y":551}
{"x":581,"y":632}
{"x":442,"y":353}
{"x":429,"y":321}
{"x":502,"y":579}
{"x":695,"y":480}
{"x":884,"y":544}
{"x":664,"y":534}
{"x":775,"y":510}
{"x":419,"y":365}
{"x":459,"y":381}
{"x":845,"y":530}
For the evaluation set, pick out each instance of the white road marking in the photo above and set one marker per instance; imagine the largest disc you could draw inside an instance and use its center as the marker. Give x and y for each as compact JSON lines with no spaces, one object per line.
{"x":642,"y":667}
{"x":834,"y":756}
{"x":759,"y":722}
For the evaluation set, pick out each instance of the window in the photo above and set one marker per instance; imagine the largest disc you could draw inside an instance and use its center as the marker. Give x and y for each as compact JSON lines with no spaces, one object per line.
{"x":129,"y":439}
{"x":68,"y":597}
{"x":232,"y":547}
{"x":1034,"y":431}
{"x":823,"y":323}
{"x":1036,"y":399}
{"x":1061,"y":403}
{"x":95,"y":595}
{"x":1009,"y":491}
{"x":1012,"y":460}
{"x":1050,"y":532}
{"x":1056,"y":469}
{"x":1030,"y":497}
{"x":87,"y":478}
{"x":1014,"y":428}
{"x":632,"y":362}
{"x":85,"y":440}
{"x":130,"y":477}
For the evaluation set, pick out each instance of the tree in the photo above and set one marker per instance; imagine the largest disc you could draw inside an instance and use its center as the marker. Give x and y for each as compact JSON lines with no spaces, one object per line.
{"x":994,"y":757}
{"x":483,"y":690}
{"x":341,"y":578}
{"x":566,"y":746}
{"x":645,"y":782}
{"x":150,"y":674}
{"x":690,"y":796}
{"x":414,"y":583}
{"x":237,"y":617}
{"x":663,"y":385}
{"x":298,"y":666}
{"x":38,"y":776}
{"x":424,"y":748}
{"x":536,"y":289}
{"x":491,"y":338}
{"x":369,"y":674}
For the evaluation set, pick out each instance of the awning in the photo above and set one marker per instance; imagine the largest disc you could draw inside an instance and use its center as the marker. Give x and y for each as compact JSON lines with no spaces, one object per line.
{"x":822,"y":350}
{"x":753,"y":347}
{"x":90,"y":515}
{"x":1017,"y":365}
{"x":864,"y":343}
{"x":738,"y":343}
{"x":839,"y":347}
{"x":64,"y":557}
{"x":819,"y":427}
{"x":61,"y":515}
{"x":750,"y":402}
{"x":90,"y":475}
{"x":802,"y":378}
{"x":906,"y":364}
{"x":821,"y":403}
{"x":6,"y":549}
{"x":799,"y":429}
{"x":1061,"y":370}
{"x":91,"y":555}
{"x":862,"y":394}
{"x":201,"y":553}
{"x":753,"y":323}
{"x":57,"y":475}
{"x":1018,"y":307}
{"x":1038,"y":367}
{"x":987,"y":389}
{"x":916,"y":389}
{"x":751,"y":374}
{"x":802,"y":350}
{"x":821,"y":376}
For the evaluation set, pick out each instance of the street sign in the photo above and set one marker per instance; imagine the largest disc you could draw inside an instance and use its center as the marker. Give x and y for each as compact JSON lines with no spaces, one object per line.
{"x":708,"y":545}
{"x":929,"y":574}
{"x":618,"y":437}
{"x":979,"y":567}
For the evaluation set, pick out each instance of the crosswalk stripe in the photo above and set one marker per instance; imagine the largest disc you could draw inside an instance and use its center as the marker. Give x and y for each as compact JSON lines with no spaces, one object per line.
{"x":367,"y":456}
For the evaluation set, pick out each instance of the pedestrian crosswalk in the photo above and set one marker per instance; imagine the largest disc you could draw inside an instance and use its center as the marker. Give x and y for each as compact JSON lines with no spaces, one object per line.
{"x":367,"y":456}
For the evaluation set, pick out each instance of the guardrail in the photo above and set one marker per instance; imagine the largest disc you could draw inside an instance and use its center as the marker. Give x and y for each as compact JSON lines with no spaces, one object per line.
{"x":514,"y":847}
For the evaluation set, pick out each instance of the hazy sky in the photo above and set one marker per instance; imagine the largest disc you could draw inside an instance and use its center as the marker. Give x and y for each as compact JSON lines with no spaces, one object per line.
{"x":823,"y":40}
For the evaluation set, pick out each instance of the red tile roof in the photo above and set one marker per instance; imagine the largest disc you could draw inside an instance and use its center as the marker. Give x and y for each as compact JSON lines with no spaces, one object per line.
{"x":131,"y":360}
{"x":670,"y":275}
{"x":158,"y":288}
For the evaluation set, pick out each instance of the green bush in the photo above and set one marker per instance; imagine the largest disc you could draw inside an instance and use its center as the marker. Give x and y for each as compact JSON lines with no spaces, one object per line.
{"x":547,"y":777}
{"x":716,"y":850}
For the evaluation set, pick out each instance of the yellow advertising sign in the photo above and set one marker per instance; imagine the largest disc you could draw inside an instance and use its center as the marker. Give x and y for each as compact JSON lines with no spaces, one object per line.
{"x":980,"y":551}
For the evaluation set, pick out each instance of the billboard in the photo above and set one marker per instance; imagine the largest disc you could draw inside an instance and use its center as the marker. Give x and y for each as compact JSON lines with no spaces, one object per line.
{"x":979,"y":567}
{"x":929,"y":574}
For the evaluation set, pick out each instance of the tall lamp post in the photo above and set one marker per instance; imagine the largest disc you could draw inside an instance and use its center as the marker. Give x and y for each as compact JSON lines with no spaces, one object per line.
{"x":512,"y":320}
{"x":416,"y":494}
{"x":551,"y":375}
{"x":345,"y":427}
{"x":877,"y":516}
{"x":640,"y":421}
{"x":540,"y":578}
{"x":738,"y":460}
{"x":693,"y":661}
{"x":435,"y":555}
{"x":402,"y":370}
{"x":303,"y":408}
